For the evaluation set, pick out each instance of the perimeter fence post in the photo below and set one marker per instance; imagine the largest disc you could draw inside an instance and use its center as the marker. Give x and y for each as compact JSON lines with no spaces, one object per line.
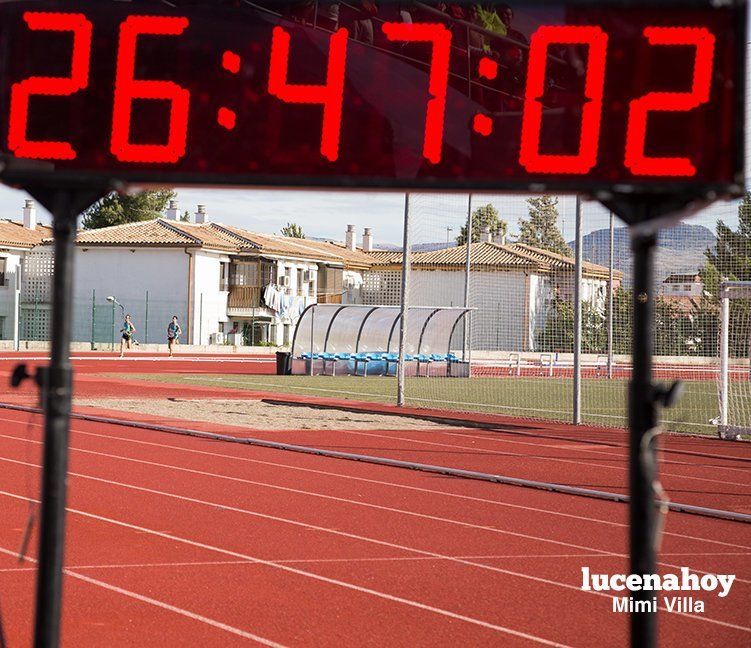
{"x":113,"y":326}
{"x":610,"y":298}
{"x":312,"y":332}
{"x":578,"y":278}
{"x":200,"y":320}
{"x":404,"y":307}
{"x":146,"y":321}
{"x":93,"y":318}
{"x":467,"y":267}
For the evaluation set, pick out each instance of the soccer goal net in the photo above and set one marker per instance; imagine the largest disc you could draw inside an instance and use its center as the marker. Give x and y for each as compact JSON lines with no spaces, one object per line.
{"x":734,"y":382}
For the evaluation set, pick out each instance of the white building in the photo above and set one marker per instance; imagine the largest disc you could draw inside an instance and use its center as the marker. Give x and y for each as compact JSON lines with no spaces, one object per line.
{"x":511,"y":290}
{"x":24,"y":299}
{"x":686,"y":286}
{"x":223,"y":282}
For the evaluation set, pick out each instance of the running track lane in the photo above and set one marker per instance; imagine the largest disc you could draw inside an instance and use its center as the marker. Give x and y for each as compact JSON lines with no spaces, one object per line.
{"x":689,"y":479}
{"x":490,"y":593}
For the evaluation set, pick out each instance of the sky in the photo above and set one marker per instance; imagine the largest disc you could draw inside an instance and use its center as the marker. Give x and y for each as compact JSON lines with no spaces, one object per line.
{"x":326,"y":214}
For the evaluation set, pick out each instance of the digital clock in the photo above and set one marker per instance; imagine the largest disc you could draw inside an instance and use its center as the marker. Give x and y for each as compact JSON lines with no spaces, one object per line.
{"x":570,"y":96}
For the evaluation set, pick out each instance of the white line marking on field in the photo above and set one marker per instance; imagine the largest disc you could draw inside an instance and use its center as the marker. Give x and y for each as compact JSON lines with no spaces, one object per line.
{"x":314,"y":576}
{"x":366,"y":559}
{"x":161,"y":604}
{"x":216,"y":505}
{"x":344,"y":500}
{"x":389,"y":484}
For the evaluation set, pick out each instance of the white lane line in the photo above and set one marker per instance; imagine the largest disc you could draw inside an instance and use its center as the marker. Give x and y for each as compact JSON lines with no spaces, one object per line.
{"x":451,"y":446}
{"x":508,"y":572}
{"x":316,"y":561}
{"x":308,"y":493}
{"x":577,"y":446}
{"x":429,"y":491}
{"x":165,"y":606}
{"x":300,"y":572}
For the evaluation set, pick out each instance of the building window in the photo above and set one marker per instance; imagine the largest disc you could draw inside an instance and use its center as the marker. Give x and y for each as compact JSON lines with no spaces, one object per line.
{"x":330,"y":281}
{"x":3,"y":262}
{"x":223,"y":276}
{"x":300,"y":275}
{"x":244,"y":273}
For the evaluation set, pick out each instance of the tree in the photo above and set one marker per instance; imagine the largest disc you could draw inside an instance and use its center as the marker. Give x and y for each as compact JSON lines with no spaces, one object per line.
{"x":731,"y":259}
{"x":482,"y":217}
{"x":540,"y":229}
{"x":293,"y":230}
{"x":117,"y":209}
{"x":732,"y":254}
{"x":185,"y":218}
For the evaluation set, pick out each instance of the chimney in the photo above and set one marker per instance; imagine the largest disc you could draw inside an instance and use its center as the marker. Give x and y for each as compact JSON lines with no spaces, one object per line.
{"x":485,"y":235}
{"x":172,"y":213}
{"x":350,"y":239}
{"x":367,"y":240}
{"x":201,"y":216}
{"x":30,"y":215}
{"x":499,"y":238}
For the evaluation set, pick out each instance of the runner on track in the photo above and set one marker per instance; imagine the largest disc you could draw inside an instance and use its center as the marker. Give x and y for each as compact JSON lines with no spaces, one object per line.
{"x":173,"y":334}
{"x":128,"y":331}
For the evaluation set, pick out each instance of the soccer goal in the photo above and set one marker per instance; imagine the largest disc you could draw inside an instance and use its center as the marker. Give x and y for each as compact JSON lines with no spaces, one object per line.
{"x":734,"y":383}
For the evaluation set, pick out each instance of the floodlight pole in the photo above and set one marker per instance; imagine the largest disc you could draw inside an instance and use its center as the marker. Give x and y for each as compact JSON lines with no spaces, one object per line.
{"x":642,"y":420}
{"x":56,"y":384}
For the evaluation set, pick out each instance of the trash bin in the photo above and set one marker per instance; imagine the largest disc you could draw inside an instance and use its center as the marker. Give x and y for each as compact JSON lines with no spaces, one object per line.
{"x":282,"y":363}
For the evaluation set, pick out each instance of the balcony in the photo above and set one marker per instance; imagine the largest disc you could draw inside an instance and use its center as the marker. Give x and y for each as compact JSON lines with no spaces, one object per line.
{"x":244,"y":297}
{"x":329,"y":298}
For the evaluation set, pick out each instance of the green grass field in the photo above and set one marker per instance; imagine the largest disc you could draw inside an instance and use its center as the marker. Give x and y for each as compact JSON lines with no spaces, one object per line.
{"x":603,"y":401}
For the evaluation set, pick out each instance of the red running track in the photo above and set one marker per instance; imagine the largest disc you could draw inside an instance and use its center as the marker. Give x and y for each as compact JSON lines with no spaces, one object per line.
{"x":184,"y":541}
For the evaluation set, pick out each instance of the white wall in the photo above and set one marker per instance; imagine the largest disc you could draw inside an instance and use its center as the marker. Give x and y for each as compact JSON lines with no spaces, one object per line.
{"x":8,"y":312}
{"x":209,"y":303}
{"x":498,"y":300}
{"x":128,"y":275}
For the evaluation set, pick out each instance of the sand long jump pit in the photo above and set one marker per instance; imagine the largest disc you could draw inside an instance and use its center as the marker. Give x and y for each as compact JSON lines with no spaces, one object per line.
{"x":259,"y":415}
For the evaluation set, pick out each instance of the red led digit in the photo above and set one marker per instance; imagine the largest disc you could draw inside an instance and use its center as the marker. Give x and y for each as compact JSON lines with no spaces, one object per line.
{"x":127,"y":89}
{"x":439,"y":74}
{"x":329,"y":95}
{"x":639,"y":164}
{"x":530,"y":157}
{"x":50,"y":86}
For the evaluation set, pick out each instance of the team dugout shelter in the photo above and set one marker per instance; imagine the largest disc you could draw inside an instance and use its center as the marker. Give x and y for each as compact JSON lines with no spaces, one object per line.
{"x":359,"y":340}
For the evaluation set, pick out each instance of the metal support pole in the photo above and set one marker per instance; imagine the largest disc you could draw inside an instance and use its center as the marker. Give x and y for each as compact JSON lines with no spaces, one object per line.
{"x":200,"y":320}
{"x":577,"y":415}
{"x":93,"y":319}
{"x":113,"y":326}
{"x":724,"y":349}
{"x":146,"y":321}
{"x":400,"y":368}
{"x":312,"y":333}
{"x":467,"y":267}
{"x":56,"y":386}
{"x":17,"y":311}
{"x":642,"y":420}
{"x":610,"y":298}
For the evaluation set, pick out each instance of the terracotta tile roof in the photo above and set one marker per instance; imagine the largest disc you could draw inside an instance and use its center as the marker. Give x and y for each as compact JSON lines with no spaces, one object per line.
{"x":296,"y":247}
{"x":386,"y":257}
{"x":492,"y":255}
{"x":153,"y":233}
{"x":560,"y":262}
{"x":209,"y":237}
{"x":217,"y":236}
{"x":14,"y":234}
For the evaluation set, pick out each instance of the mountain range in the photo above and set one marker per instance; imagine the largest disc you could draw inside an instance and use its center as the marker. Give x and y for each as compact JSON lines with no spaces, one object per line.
{"x":680,"y":249}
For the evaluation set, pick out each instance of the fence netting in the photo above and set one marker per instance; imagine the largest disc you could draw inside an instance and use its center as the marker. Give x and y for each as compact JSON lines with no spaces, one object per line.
{"x":518,"y":280}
